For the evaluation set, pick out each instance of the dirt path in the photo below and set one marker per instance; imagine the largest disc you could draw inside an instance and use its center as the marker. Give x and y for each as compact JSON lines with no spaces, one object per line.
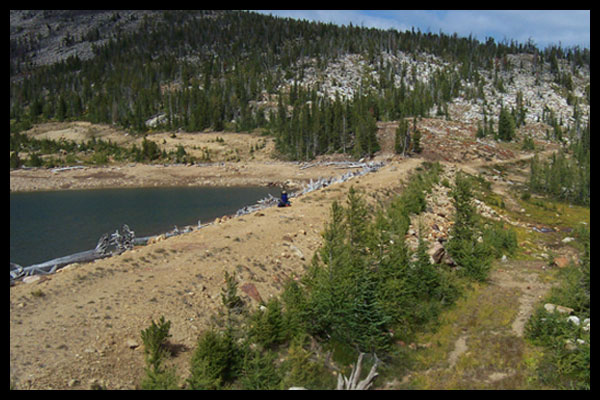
{"x":480,"y":344}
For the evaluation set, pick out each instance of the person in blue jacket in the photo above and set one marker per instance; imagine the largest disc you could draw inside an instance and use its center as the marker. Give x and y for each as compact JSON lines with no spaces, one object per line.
{"x":284,"y":202}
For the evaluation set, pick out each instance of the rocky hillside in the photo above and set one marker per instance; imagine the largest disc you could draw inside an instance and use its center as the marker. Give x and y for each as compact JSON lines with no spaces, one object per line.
{"x":540,"y":93}
{"x":196,"y":70}
{"x":50,"y":36}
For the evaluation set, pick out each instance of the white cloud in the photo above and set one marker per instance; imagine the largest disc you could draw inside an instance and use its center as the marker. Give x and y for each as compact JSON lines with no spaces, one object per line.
{"x":569,"y":27}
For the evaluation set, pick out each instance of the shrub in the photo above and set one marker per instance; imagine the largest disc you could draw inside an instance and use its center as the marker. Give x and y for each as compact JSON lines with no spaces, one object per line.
{"x":215,"y":362}
{"x":500,"y":240}
{"x":267,"y":324}
{"x":154,"y":339}
{"x":301,"y":371}
{"x":34,"y":160}
{"x":562,"y":366}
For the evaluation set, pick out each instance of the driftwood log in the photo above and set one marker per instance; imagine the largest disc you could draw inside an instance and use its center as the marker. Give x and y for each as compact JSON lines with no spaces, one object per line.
{"x":122,"y":239}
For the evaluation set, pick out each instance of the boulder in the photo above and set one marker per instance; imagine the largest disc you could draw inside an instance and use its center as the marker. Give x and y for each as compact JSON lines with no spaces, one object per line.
{"x":251,"y":291}
{"x":437,"y":252}
{"x":562,"y":262}
{"x":553,"y":307}
{"x":448,"y":260}
{"x":32,"y":279}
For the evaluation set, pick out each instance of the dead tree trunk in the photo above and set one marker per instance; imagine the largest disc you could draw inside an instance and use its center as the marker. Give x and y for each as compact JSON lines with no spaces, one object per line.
{"x":353,"y":383}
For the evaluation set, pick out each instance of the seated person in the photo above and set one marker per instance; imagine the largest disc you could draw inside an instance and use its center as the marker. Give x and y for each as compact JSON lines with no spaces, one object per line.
{"x":284,"y":202}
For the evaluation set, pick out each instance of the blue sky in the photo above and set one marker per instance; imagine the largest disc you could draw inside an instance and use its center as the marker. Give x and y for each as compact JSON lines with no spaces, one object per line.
{"x":544,"y":27}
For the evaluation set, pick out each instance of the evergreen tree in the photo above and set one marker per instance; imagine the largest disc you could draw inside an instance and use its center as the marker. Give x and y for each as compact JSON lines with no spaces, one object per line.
{"x":417,"y":142}
{"x":463,"y":246}
{"x":356,"y":221}
{"x":402,"y":137}
{"x":506,"y":126}
{"x":426,"y":281}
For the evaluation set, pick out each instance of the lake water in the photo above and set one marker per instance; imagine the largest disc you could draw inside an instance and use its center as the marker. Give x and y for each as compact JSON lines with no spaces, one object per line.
{"x":47,"y":225}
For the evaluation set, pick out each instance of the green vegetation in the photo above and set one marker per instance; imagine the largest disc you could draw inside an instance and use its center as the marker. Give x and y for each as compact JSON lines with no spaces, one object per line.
{"x":566,"y":175}
{"x":155,"y":351}
{"x":363,"y":292}
{"x":472,"y":255}
{"x":94,"y":152}
{"x":201,"y":70}
{"x":565,"y":361}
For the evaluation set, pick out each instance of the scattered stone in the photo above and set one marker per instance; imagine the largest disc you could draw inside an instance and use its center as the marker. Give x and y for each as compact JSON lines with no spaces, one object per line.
{"x":586,"y":325}
{"x":570,"y":345}
{"x":448,"y":260}
{"x":297,"y":251}
{"x":251,"y":291}
{"x":561,"y":262}
{"x":32,"y":279}
{"x":132,"y":343}
{"x":553,"y":307}
{"x":573,"y":319}
{"x":568,"y":239}
{"x":437,"y":253}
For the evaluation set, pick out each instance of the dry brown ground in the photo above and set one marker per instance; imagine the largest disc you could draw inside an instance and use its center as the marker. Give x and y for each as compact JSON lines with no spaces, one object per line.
{"x":81,"y":327}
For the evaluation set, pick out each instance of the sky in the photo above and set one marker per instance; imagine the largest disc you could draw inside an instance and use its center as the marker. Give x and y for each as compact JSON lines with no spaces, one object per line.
{"x":544,"y":27}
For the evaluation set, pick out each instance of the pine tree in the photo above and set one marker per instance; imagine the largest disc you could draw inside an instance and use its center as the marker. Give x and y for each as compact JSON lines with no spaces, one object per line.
{"x":424,"y":272}
{"x":402,"y":137}
{"x":506,"y":125}
{"x":366,"y":320}
{"x":267,"y":326}
{"x":417,"y":142}
{"x":61,"y":110}
{"x":356,"y":221}
{"x":463,"y":246}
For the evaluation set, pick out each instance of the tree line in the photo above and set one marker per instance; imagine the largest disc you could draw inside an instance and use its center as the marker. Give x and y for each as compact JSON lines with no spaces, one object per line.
{"x":201,"y":71}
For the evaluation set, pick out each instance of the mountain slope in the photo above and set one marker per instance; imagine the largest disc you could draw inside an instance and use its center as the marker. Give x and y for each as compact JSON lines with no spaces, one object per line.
{"x":314,"y":86}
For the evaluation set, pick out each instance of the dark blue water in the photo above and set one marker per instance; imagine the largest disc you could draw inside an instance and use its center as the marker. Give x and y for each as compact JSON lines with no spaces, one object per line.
{"x":46,"y":225}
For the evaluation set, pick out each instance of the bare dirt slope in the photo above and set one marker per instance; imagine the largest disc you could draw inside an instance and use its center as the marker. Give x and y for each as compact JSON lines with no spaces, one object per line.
{"x":82,"y":325}
{"x":80,"y":328}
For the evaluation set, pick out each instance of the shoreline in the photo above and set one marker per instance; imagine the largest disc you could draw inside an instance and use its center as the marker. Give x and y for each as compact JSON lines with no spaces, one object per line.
{"x":260,"y":205}
{"x":105,"y":304}
{"x":159,"y":175}
{"x":288,"y":175}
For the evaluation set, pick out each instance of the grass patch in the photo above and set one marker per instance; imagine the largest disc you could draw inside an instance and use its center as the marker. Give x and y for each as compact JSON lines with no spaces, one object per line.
{"x":553,"y":213}
{"x":493,"y":357}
